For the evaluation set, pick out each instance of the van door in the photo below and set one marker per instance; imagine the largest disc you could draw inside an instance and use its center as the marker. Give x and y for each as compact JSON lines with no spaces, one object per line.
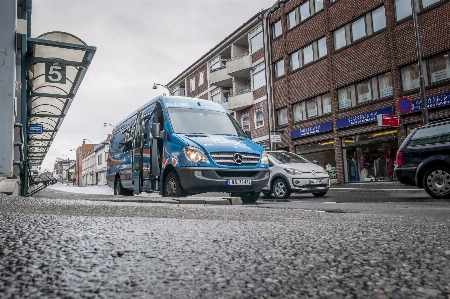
{"x":137,"y":155}
{"x":156,"y":150}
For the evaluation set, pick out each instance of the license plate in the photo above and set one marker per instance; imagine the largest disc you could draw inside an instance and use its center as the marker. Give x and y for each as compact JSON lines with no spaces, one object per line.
{"x":315,"y":182}
{"x":239,"y":182}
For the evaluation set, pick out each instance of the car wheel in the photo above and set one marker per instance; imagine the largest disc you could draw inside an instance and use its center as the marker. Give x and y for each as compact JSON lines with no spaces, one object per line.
{"x":436,"y":182}
{"x":118,"y":189}
{"x":172,"y":186}
{"x":281,"y":189}
{"x":249,"y":197}
{"x":319,"y":194}
{"x":267,"y":193}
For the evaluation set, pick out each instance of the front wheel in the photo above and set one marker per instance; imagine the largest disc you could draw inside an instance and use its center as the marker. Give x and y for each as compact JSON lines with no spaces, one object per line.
{"x":319,"y":194}
{"x":436,"y":182}
{"x":249,"y":197}
{"x":281,"y":189}
{"x":172,"y":186}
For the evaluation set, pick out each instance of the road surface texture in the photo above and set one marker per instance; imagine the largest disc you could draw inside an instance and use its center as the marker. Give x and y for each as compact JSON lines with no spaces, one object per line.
{"x":77,"y":248}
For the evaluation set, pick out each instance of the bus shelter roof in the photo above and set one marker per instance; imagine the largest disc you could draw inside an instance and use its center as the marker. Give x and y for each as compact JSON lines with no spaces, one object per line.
{"x":56,"y":64}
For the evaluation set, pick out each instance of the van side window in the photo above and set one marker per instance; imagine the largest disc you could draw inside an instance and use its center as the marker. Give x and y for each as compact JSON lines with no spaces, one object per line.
{"x":126,"y":144}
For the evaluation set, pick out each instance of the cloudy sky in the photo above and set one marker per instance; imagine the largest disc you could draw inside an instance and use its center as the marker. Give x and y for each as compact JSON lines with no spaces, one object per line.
{"x":139,"y":42}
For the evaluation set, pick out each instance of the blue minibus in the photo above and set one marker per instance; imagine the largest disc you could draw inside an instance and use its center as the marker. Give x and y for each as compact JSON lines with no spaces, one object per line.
{"x":179,"y":146}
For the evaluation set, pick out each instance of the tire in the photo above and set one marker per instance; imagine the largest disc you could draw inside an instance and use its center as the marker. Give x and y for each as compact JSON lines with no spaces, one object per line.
{"x":281,"y":189}
{"x":249,"y":197}
{"x":172,"y":186}
{"x":319,"y":194}
{"x":436,"y":182}
{"x":267,"y":193}
{"x":119,"y":190}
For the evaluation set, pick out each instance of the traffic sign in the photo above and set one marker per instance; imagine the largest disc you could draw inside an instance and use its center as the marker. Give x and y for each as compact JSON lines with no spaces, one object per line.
{"x":386,"y":120}
{"x":275,"y":138}
{"x":404,"y":105}
{"x":35,"y":129}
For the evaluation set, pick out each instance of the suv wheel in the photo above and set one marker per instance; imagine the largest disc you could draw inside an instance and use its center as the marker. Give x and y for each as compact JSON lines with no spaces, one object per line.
{"x":281,"y":189}
{"x":436,"y":182}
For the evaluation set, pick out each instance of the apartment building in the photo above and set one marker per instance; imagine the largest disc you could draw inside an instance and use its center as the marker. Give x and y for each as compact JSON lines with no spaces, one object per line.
{"x":79,"y":153}
{"x":336,"y":65}
{"x":233,"y":74}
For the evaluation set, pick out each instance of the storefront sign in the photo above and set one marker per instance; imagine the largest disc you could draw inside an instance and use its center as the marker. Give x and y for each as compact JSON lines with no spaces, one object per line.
{"x":432,"y":102}
{"x":275,"y":138}
{"x":386,"y":120}
{"x":362,"y":118}
{"x":320,"y":128}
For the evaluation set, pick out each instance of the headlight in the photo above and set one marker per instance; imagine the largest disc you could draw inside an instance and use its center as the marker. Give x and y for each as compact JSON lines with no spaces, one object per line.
{"x":264,"y":158}
{"x":195,"y":155}
{"x":293,"y":171}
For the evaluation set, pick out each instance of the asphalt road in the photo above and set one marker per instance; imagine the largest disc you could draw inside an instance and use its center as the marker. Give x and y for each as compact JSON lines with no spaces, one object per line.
{"x":70,"y":247}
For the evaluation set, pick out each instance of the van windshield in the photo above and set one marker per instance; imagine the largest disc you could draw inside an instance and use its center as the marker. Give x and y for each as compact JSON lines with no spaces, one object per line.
{"x":194,"y":121}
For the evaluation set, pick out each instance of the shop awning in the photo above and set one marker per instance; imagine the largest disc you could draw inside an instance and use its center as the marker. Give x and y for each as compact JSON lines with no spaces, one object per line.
{"x":57,"y":63}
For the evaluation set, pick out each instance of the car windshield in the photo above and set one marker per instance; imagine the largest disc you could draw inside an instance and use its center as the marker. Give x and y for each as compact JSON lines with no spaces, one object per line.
{"x":430,"y":135}
{"x":196,"y":121}
{"x":285,"y":157}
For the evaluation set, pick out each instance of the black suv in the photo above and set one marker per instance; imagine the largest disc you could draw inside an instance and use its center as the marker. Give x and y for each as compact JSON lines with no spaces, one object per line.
{"x":423,"y":159}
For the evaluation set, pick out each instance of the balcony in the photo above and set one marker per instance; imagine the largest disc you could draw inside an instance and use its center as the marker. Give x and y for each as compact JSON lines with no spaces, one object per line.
{"x":241,"y":99}
{"x":240,"y":66}
{"x":219,"y":77}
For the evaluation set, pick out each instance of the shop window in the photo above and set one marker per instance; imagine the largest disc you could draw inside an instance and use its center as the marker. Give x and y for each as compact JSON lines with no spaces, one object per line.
{"x":305,"y":11}
{"x":358,"y":29}
{"x":345,"y":97}
{"x":256,"y":39}
{"x":364,"y":92}
{"x":385,"y":85}
{"x":292,"y":19}
{"x":279,"y":68}
{"x":259,"y":118}
{"x":378,"y":19}
{"x":439,"y":68}
{"x":410,"y":77}
{"x":245,"y":121}
{"x":258,"y":76}
{"x":322,"y":46}
{"x":192,"y":84}
{"x":321,"y":153}
{"x":276,"y":29}
{"x":282,"y":118}
{"x":311,"y":108}
{"x":297,"y":111}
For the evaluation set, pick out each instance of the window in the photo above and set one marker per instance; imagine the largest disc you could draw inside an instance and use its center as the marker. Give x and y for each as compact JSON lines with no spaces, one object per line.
{"x":364,"y":92}
{"x":378,"y":19}
{"x":403,"y":9}
{"x":282,"y":118}
{"x":410,"y":77}
{"x":322,"y":46}
{"x":311,"y":108}
{"x":245,"y":119}
{"x":358,"y":29}
{"x":215,"y":63}
{"x":200,"y":79}
{"x":304,"y":11}
{"x":215,"y":95}
{"x":439,"y":68}
{"x":259,"y":118}
{"x":258,"y":76}
{"x":276,"y":29}
{"x":99,"y":157}
{"x":292,"y":19}
{"x":318,"y":5}
{"x":192,"y":84}
{"x":256,"y":39}
{"x":345,"y":97}
{"x":426,"y":3}
{"x":279,"y":68}
{"x":308,"y":55}
{"x":326,"y":104}
{"x":297,"y":110}
{"x":294,"y":61}
{"x":340,"y":38}
{"x":385,"y":85}
{"x":175,"y":91}
{"x":106,"y":157}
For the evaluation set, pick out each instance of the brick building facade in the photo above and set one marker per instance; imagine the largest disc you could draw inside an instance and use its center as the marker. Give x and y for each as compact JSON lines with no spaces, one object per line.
{"x":337,"y":64}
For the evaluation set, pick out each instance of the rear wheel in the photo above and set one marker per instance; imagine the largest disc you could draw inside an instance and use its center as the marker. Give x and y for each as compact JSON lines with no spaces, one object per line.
{"x":172,"y":186}
{"x":249,"y":197}
{"x":436,"y":182}
{"x":319,"y":194}
{"x":119,"y":190}
{"x":281,"y":189}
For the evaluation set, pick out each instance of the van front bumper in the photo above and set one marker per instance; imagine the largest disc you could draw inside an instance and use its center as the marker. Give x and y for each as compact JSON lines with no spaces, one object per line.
{"x":204,"y":179}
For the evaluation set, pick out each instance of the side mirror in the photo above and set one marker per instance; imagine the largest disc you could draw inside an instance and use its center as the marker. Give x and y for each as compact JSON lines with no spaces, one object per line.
{"x":156,"y":133}
{"x":249,"y":134}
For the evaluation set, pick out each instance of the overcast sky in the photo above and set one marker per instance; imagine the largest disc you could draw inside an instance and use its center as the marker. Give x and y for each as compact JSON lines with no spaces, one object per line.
{"x":139,"y":42}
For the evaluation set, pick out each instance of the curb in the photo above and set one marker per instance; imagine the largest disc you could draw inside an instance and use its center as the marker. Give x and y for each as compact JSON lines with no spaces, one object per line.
{"x":377,"y":190}
{"x":192,"y":200}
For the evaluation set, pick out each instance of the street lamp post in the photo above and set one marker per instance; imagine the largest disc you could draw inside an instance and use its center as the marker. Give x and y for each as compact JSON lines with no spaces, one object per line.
{"x":155,"y":86}
{"x":85,"y":139}
{"x":106,"y":124}
{"x":423,"y":97}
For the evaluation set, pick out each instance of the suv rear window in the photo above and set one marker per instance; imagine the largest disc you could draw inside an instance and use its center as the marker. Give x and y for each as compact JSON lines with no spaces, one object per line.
{"x":430,"y":135}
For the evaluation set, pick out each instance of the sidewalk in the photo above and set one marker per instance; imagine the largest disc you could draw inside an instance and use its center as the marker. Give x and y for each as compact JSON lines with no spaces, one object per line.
{"x":375,"y":186}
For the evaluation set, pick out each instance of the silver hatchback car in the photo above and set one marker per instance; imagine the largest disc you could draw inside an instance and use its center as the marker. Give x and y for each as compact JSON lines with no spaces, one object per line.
{"x":290,"y":172}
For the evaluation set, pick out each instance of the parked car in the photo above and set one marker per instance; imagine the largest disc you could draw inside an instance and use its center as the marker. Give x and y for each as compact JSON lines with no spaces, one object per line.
{"x":290,"y":172}
{"x":423,"y":159}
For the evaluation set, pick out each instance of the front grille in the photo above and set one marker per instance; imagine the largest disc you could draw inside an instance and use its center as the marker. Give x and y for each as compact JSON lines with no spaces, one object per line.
{"x":236,"y":174}
{"x":226,"y":159}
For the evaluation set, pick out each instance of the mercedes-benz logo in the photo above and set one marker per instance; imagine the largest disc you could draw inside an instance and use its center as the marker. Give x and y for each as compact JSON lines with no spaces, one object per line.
{"x":238,"y":159}
{"x":313,"y":172}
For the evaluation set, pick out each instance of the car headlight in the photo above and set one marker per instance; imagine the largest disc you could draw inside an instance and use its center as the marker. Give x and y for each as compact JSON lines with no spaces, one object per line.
{"x":293,"y":171}
{"x":264,"y":158}
{"x":195,"y":155}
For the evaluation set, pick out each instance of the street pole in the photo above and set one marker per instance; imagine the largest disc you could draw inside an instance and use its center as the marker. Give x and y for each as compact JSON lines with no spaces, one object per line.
{"x":423,"y":97}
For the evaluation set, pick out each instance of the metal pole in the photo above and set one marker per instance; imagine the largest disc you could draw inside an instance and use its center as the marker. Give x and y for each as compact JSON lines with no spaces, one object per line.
{"x":423,"y":97}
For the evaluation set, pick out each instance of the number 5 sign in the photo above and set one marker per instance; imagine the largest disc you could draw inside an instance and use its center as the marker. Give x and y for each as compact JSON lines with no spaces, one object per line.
{"x":55,"y":73}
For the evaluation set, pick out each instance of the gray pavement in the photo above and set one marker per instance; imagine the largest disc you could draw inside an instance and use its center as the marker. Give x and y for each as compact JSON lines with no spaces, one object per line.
{"x":77,"y":248}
